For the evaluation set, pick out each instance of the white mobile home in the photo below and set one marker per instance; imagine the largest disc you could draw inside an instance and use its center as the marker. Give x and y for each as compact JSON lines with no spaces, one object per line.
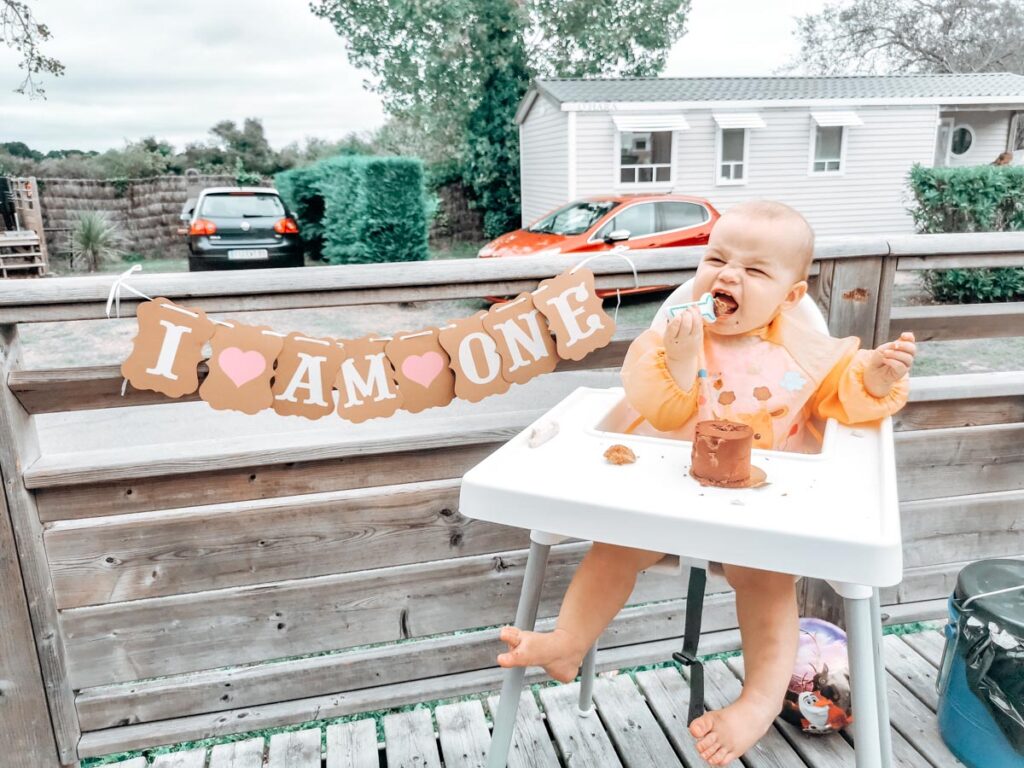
{"x":838,"y":149}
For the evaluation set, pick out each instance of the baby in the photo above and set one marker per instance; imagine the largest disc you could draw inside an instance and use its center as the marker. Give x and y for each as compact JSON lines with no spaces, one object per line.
{"x":759,"y":365}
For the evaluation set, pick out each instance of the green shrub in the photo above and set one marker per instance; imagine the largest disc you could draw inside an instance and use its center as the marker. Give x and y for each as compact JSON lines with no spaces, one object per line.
{"x":358,"y":210}
{"x":982,"y":198}
{"x":300,"y":190}
{"x":970,"y":286}
{"x":95,"y":238}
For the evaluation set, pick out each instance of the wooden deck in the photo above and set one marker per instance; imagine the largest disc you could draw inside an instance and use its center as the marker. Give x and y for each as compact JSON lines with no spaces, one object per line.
{"x":637,"y":723}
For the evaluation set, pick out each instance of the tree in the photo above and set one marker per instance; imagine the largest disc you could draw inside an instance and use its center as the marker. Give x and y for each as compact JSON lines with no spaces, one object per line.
{"x":884,"y":36}
{"x":491,"y":153}
{"x":451,"y":71}
{"x":20,"y":30}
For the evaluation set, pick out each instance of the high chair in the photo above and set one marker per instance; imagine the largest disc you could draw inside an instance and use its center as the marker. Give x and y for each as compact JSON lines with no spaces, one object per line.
{"x":856,"y":548}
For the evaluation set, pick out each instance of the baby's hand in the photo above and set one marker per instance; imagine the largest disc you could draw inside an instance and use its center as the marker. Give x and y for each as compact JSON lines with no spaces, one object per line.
{"x":683,"y":337}
{"x":888,"y":364}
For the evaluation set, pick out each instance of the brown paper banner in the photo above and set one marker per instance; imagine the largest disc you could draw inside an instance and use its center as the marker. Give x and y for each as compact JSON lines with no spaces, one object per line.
{"x":304,"y":378}
{"x":574,"y":312}
{"x":474,"y":358}
{"x":366,"y":384}
{"x":241,"y":366}
{"x":421,"y":368}
{"x":523,"y":339}
{"x":167,"y":348}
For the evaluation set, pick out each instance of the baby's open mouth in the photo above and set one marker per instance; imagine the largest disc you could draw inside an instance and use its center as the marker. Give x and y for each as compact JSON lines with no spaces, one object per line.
{"x":724,"y":303}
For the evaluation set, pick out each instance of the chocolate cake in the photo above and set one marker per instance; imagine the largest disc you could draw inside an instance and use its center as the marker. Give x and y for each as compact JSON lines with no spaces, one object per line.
{"x":721,"y":455}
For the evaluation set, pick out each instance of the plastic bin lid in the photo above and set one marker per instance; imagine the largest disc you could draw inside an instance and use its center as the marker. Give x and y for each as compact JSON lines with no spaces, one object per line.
{"x":1007,"y":609}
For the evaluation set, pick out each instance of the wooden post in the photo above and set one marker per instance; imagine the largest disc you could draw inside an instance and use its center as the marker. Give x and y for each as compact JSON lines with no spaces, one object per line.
{"x":31,"y":210}
{"x":26,"y":733}
{"x":856,"y":297}
{"x":19,"y":448}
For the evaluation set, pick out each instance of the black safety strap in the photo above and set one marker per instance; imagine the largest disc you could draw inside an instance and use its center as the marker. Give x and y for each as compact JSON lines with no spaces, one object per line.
{"x":691,"y":637}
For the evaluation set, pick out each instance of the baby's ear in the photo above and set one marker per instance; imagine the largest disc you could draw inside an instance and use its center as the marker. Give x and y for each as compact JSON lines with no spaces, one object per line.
{"x":797,"y":292}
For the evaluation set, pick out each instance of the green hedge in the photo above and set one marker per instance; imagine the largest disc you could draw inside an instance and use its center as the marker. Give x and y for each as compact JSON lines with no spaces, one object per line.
{"x":359,"y":210}
{"x":982,"y":198}
{"x":979,"y":198}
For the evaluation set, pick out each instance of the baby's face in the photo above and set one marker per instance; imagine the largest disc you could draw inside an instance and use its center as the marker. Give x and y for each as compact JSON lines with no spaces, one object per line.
{"x":753,"y":268}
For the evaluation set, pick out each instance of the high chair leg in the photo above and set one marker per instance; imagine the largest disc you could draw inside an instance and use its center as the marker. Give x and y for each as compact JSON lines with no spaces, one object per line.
{"x":587,"y":682}
{"x":881,"y":689}
{"x":526,"y":618}
{"x":864,"y":663}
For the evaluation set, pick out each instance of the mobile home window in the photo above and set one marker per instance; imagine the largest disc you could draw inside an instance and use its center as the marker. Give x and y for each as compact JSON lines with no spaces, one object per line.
{"x":828,"y":148}
{"x":732,"y":155}
{"x":645,"y":157}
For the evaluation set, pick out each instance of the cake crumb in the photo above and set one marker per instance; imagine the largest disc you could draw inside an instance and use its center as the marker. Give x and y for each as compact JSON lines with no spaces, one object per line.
{"x":620,"y":454}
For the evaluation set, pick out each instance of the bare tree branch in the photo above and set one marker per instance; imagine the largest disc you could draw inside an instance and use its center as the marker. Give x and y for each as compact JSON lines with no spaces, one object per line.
{"x":879,"y":36}
{"x":20,"y":30}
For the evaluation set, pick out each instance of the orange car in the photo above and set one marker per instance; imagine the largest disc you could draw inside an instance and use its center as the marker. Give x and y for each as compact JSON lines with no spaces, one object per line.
{"x":597,"y":224}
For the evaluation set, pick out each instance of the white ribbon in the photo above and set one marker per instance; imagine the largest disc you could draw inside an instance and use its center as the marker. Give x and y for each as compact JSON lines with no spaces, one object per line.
{"x":620,"y":251}
{"x":114,"y":297}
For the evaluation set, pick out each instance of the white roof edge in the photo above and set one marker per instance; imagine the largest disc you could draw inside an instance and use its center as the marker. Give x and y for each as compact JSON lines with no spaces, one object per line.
{"x":643,"y":106}
{"x":219,"y":190}
{"x":524,"y":106}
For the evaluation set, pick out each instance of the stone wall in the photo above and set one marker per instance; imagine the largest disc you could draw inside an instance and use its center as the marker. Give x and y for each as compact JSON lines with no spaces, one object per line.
{"x":146,"y":210}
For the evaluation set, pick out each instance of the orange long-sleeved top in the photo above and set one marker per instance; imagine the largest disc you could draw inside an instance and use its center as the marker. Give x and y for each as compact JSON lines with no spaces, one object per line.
{"x":783,"y":380}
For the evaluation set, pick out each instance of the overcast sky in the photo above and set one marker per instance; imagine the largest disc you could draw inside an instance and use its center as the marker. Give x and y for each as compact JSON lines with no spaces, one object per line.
{"x":173,"y":68}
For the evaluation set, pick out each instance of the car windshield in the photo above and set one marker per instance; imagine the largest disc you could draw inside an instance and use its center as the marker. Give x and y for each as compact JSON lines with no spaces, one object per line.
{"x":241,"y":206}
{"x":573,"y":219}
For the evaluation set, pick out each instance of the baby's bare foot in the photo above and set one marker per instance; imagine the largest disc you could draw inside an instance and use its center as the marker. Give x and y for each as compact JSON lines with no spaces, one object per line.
{"x":555,"y":651}
{"x":725,"y":734}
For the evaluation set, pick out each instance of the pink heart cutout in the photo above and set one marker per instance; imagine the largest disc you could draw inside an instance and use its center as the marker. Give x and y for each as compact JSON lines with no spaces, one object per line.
{"x":423,"y":369}
{"x":241,"y":367}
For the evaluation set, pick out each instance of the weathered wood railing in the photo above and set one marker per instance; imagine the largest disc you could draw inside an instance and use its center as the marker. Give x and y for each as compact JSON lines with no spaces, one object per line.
{"x":177,"y":580}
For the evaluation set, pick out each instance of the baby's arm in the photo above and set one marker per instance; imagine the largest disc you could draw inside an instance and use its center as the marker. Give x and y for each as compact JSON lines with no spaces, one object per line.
{"x":868,"y":385}
{"x":659,"y":373}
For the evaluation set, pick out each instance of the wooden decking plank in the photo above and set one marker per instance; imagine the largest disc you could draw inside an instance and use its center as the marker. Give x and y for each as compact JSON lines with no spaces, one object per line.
{"x":295,"y":749}
{"x":820,"y":752}
{"x":917,"y":724}
{"x":352,"y":745}
{"x":409,"y":740}
{"x":462,"y":731}
{"x":911,"y":669}
{"x":531,"y":744}
{"x":668,"y":695}
{"x":238,"y":754}
{"x":631,"y":725}
{"x":194,"y":758}
{"x":721,"y":688}
{"x":582,"y":741}
{"x":929,"y":644}
{"x":816,"y":751}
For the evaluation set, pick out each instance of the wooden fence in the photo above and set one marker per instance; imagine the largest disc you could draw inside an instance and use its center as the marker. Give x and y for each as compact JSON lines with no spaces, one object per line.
{"x":172,"y":573}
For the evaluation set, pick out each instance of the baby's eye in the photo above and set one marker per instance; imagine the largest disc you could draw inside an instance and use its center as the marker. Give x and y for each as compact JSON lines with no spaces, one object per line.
{"x":714,"y":260}
{"x":756,"y":271}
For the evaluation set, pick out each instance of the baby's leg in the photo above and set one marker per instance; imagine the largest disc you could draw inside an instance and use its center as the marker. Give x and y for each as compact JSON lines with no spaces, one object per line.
{"x":769,"y":630}
{"x":599,"y":588}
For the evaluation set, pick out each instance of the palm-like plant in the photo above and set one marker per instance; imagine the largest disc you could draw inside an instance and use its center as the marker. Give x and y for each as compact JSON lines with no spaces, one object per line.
{"x":95,"y":238}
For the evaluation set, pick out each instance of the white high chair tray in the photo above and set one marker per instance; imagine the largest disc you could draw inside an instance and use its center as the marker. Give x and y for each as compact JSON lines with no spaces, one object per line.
{"x":832,"y":515}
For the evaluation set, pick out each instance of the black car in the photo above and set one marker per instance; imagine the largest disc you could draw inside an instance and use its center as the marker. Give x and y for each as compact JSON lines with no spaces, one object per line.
{"x":241,"y":228}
